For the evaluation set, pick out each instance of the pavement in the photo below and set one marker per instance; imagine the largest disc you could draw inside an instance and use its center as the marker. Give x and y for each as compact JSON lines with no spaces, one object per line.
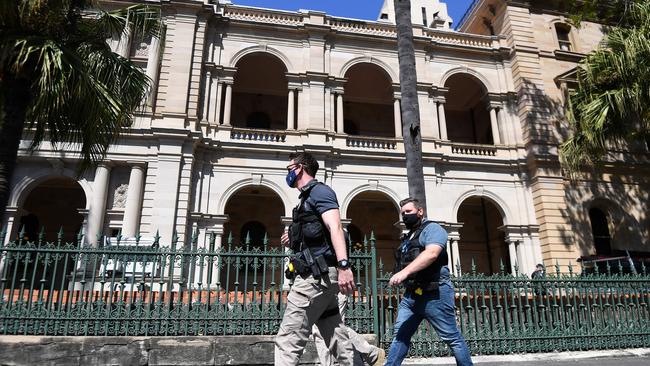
{"x":625,"y":357}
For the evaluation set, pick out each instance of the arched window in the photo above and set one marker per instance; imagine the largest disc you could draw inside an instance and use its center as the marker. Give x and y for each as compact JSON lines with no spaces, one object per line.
{"x":600,"y":230}
{"x":563,"y":32}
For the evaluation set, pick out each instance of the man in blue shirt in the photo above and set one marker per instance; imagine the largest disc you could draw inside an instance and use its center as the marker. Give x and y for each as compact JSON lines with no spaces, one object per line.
{"x":422,"y":268}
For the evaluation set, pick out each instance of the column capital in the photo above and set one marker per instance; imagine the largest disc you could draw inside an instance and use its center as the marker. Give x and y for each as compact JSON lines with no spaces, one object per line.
{"x":440,"y":99}
{"x":107,"y":164}
{"x":137,"y":164}
{"x":397,"y":95}
{"x":439,"y":92}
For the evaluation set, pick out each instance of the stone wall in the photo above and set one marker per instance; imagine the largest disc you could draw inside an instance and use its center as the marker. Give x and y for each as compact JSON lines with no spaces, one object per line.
{"x":226,"y":350}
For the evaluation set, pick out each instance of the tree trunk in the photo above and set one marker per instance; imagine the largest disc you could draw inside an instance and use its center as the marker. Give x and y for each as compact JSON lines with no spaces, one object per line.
{"x":410,"y":106}
{"x":13,"y":107}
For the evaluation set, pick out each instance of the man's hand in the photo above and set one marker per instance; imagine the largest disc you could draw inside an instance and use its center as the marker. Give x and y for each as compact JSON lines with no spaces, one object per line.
{"x":285,"y":238}
{"x":398,"y":278}
{"x":346,"y":281}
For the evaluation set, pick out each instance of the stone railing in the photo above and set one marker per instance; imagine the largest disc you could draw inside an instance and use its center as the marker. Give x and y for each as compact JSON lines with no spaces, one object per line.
{"x":262,"y":15}
{"x":462,"y":39}
{"x":361,"y":27}
{"x":473,"y":149}
{"x":258,"y":135}
{"x":371,"y":143}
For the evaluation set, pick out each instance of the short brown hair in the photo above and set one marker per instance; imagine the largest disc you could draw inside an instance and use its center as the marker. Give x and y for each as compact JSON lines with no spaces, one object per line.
{"x":406,"y":201}
{"x":307,"y":161}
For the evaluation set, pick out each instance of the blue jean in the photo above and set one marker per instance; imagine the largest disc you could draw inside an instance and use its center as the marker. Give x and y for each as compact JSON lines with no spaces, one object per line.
{"x":437,"y":307}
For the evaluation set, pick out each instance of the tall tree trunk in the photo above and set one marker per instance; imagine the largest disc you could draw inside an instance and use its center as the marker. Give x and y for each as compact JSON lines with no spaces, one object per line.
{"x":410,"y":106}
{"x":15,"y":99}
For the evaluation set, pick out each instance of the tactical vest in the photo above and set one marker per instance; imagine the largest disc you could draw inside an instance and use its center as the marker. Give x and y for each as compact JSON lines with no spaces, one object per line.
{"x":406,"y":253}
{"x":308,"y":229}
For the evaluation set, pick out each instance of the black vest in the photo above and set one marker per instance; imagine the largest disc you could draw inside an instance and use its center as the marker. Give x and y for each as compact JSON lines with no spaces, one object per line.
{"x":308,"y":229}
{"x":409,"y":250}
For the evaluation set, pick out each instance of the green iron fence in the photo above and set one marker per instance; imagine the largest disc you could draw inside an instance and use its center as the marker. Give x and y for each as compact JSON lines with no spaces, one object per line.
{"x":137,"y":288}
{"x":505,"y":313}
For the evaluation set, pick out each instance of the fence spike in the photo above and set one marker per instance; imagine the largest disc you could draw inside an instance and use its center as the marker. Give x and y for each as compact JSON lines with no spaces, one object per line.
{"x":473,"y":267}
{"x":265,"y":241}
{"x":59,"y":236}
{"x":516,"y":267}
{"x":643,"y":268}
{"x":119,"y":237}
{"x":502,"y":268}
{"x":557,"y":268}
{"x":230,"y":239}
{"x":458,"y":268}
{"x":174,"y":239}
{"x":156,"y":240}
{"x":247,"y":241}
{"x":80,"y":237}
{"x":213,"y":239}
{"x":609,"y":268}
{"x":195,"y":238}
{"x":41,"y":236}
{"x":3,"y":234}
{"x":137,"y":238}
{"x":570,"y":269}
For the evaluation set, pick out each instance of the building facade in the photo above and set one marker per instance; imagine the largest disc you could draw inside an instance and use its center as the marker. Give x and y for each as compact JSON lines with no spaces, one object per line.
{"x":238,"y":88}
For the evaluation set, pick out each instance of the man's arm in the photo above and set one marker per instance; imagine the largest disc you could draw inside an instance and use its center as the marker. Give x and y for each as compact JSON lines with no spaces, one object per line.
{"x":422,"y":261}
{"x":332,"y":220}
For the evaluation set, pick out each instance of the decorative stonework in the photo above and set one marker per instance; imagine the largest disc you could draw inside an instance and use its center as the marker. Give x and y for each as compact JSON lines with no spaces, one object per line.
{"x":119,"y":198}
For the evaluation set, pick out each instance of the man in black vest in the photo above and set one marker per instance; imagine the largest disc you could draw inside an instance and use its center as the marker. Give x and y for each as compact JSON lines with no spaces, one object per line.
{"x":320,"y":269}
{"x":421,"y":266}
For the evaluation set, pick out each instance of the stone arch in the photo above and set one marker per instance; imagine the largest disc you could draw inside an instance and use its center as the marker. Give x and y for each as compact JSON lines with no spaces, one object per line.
{"x":21,"y":190}
{"x":371,"y":188}
{"x":264,"y":49}
{"x":232,"y":190}
{"x":466,"y":70}
{"x":368,"y":59}
{"x":500,"y":204}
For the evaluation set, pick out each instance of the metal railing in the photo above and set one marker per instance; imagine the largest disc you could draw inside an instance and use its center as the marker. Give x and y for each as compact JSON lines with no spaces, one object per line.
{"x":129,"y":288}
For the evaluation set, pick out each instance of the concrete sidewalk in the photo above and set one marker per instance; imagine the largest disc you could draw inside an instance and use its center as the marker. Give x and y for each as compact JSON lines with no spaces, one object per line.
{"x":626,"y":357}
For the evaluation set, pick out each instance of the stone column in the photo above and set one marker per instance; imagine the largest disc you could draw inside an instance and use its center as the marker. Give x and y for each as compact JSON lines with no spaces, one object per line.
{"x":133,"y":209}
{"x":12,"y":219}
{"x":504,"y":126}
{"x":495,"y":126}
{"x":228,"y":105}
{"x":340,"y":128}
{"x":152,"y":67}
{"x":397,"y":112}
{"x":290,"y":109}
{"x":332,"y":111}
{"x":207,"y":96}
{"x":216,"y":111}
{"x":98,"y":205}
{"x":512,"y":251}
{"x":124,"y":45}
{"x":442,"y":120}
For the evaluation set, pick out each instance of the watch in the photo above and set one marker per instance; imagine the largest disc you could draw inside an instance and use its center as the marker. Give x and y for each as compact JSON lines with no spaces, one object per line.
{"x":343,"y":264}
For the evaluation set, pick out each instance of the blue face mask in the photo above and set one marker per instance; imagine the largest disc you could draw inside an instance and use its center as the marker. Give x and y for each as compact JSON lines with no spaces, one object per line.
{"x":291,"y":178}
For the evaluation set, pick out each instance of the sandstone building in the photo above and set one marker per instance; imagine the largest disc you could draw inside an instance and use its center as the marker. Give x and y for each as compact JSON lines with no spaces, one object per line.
{"x":239,"y":88}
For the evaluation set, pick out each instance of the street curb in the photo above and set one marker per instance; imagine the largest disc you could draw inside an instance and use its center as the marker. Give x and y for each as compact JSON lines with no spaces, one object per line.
{"x":555,"y":356}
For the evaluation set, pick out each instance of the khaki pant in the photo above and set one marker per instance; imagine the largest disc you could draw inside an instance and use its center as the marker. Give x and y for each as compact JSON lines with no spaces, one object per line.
{"x":308,"y":299}
{"x":367,"y":352}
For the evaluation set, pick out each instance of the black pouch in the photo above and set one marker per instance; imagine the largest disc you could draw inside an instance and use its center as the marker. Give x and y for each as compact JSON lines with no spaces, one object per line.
{"x":322,"y":264}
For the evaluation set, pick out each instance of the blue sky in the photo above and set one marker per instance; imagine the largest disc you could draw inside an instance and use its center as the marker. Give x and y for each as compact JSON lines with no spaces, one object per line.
{"x":359,"y":9}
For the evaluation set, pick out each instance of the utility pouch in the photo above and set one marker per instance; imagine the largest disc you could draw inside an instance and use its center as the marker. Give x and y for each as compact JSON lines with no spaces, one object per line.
{"x":311,"y":263}
{"x":322,"y":264}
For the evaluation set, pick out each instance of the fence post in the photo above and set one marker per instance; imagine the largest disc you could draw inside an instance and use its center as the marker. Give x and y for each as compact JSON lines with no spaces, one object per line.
{"x":375,"y":295}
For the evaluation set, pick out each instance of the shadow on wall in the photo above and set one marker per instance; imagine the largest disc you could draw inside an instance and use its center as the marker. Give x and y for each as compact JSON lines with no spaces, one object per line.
{"x":624,"y":205}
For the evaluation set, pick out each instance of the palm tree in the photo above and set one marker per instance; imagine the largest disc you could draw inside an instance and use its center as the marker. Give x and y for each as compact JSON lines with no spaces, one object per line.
{"x":410,"y":106}
{"x":60,"y":81}
{"x":611,"y":103}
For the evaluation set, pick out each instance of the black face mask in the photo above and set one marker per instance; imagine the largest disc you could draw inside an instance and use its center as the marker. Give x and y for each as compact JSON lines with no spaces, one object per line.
{"x":410,"y":220}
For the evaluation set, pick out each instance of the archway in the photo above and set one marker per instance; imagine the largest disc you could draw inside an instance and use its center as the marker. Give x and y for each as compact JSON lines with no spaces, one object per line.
{"x":250,"y":210}
{"x":368,"y":101}
{"x":375,"y":212}
{"x":466,"y":110}
{"x":51,"y":206}
{"x":481,"y":240}
{"x":260,"y":92}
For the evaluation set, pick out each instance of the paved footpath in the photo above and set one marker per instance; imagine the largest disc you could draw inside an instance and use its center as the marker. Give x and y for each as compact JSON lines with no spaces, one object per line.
{"x":628,"y":357}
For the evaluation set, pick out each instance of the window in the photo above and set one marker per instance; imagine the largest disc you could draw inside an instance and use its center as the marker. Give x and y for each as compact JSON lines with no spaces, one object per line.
{"x":424,"y":16}
{"x":600,"y":231}
{"x":563,"y":32}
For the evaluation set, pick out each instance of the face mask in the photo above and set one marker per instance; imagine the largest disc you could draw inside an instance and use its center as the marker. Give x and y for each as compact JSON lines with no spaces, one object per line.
{"x":291,"y":178}
{"x":410,"y":220}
